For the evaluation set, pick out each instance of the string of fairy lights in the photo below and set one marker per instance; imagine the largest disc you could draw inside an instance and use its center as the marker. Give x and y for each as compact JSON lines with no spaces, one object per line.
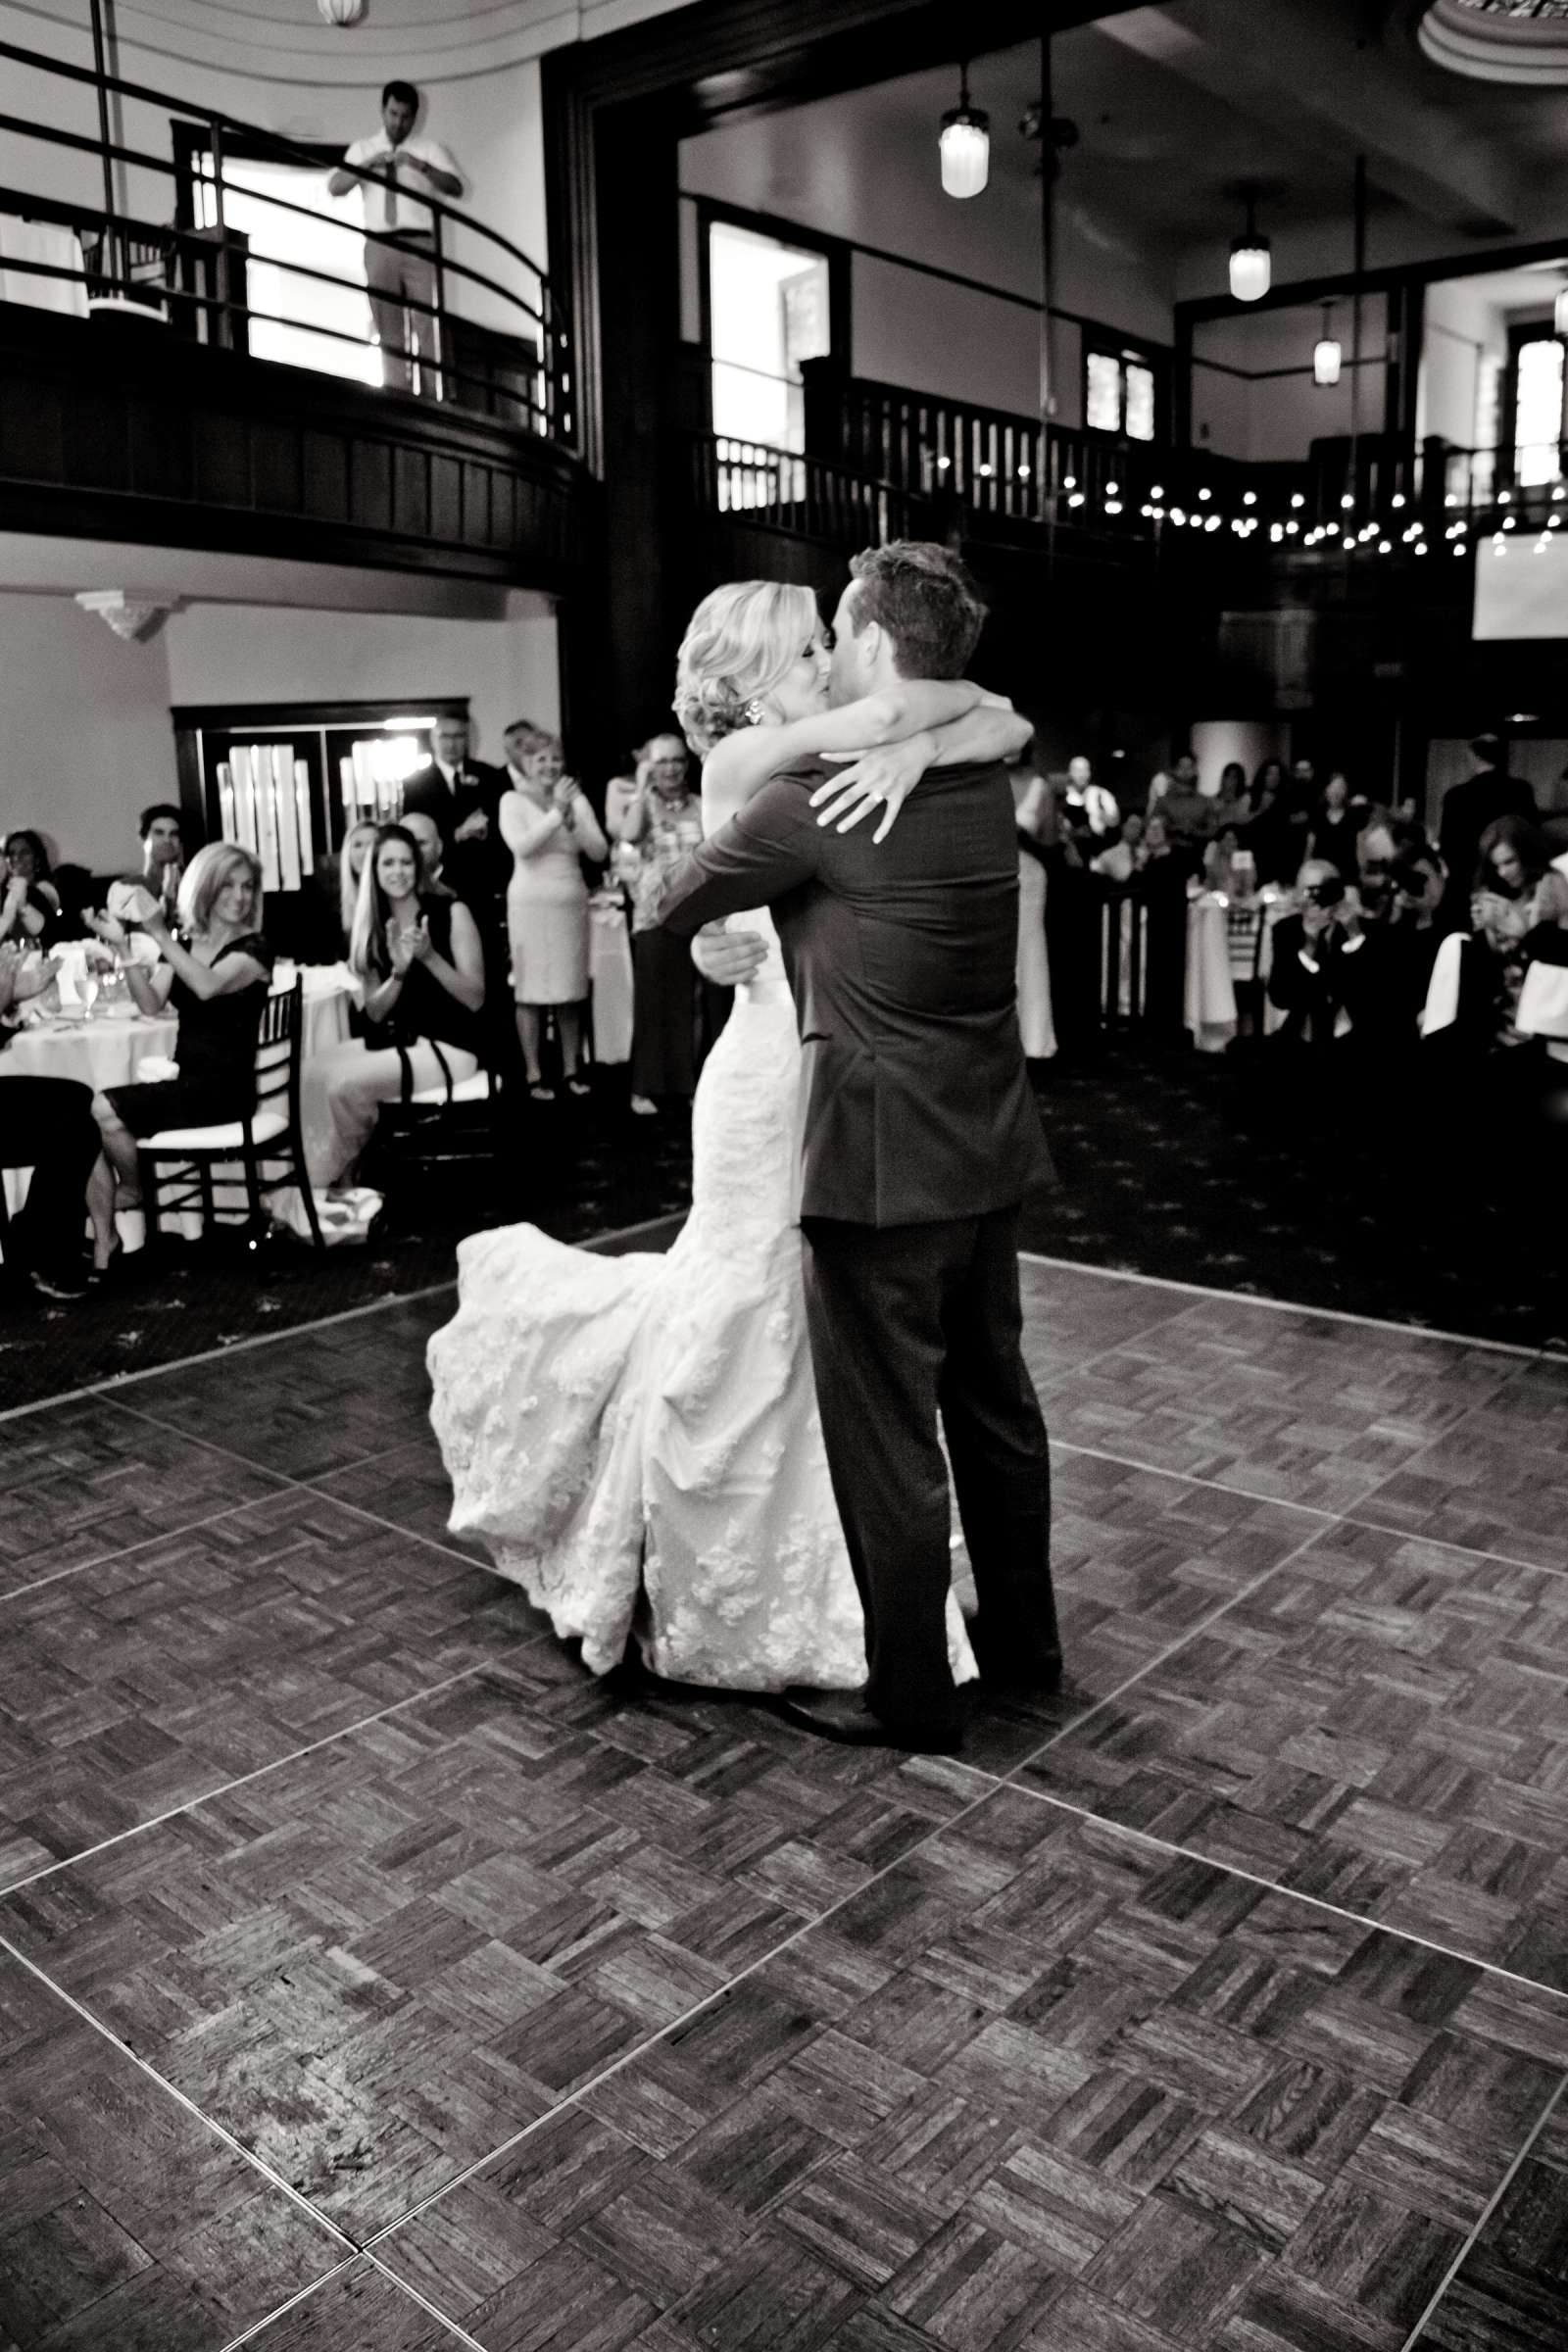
{"x":1500,"y":525}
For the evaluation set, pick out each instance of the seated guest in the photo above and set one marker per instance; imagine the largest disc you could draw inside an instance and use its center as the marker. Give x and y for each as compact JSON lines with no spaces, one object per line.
{"x":355,"y":849}
{"x":1517,"y":895}
{"x":29,"y":904}
{"x":658,"y":826}
{"x":49,"y":1128}
{"x":418,"y":954}
{"x":218,"y":986}
{"x":163,"y":854}
{"x":1314,"y":978}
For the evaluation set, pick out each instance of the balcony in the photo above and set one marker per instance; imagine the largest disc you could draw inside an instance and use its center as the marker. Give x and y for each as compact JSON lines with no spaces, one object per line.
{"x":212,"y":379}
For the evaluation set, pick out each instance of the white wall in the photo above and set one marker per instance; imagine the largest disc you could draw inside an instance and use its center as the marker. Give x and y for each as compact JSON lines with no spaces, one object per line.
{"x":1278,"y":417}
{"x":1463,"y":326}
{"x":88,"y":738}
{"x":253,"y":654}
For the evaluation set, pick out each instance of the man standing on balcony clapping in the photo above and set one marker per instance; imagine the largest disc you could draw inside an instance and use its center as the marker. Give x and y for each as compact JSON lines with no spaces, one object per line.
{"x":400,"y":243}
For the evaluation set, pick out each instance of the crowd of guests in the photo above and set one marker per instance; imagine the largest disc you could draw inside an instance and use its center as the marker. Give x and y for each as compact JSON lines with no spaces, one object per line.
{"x":468,"y":925}
{"x":1360,"y":894}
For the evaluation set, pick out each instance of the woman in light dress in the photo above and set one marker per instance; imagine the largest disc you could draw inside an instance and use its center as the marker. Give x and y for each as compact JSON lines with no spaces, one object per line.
{"x":636,"y":1439}
{"x":548,"y":825}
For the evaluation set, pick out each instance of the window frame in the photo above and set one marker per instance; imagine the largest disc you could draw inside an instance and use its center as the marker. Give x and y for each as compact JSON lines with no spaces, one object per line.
{"x":1520,"y":333}
{"x":834,"y":250}
{"x":1104,"y":344}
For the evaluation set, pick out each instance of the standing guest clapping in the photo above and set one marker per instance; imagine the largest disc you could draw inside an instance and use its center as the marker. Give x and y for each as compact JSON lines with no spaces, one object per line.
{"x":660,"y":825}
{"x":549,"y":827}
{"x":218,"y":986}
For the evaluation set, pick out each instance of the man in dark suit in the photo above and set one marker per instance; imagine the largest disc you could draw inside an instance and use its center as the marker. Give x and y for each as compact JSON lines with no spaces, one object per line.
{"x":464,"y":796}
{"x":921,"y":1137}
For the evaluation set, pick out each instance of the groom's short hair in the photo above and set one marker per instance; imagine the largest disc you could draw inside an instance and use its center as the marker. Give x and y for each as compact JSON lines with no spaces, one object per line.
{"x":926,"y":600}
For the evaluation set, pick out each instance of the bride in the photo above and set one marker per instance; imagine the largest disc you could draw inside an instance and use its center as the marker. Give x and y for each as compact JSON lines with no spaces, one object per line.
{"x":636,"y":1439}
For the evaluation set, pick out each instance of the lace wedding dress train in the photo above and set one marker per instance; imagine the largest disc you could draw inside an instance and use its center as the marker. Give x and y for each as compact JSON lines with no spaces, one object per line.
{"x":636,"y":1439}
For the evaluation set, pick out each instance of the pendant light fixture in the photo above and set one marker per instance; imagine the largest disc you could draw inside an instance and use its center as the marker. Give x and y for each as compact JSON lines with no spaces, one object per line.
{"x":965,"y":144}
{"x":1251,"y":264}
{"x":1327,"y":356}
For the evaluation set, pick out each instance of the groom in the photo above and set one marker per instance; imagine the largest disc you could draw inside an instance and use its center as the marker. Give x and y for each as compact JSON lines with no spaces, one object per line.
{"x":921,"y":1139}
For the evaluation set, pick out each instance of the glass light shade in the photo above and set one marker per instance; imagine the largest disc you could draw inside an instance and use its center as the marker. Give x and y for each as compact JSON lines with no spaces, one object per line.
{"x":341,"y":11}
{"x":1251,"y":269}
{"x":965,"y":151}
{"x":1326,"y":359}
{"x":1559,"y":316}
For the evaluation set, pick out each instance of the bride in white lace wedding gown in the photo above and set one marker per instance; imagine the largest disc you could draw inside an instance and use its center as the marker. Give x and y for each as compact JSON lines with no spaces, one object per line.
{"x":636,"y":1439}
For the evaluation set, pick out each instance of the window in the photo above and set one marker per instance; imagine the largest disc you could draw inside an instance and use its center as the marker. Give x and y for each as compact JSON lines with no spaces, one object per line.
{"x":1121,"y":392}
{"x":286,"y":307}
{"x":768,"y":309}
{"x":1538,"y":419}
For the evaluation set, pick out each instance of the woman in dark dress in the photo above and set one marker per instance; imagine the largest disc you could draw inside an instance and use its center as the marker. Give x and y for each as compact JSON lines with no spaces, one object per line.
{"x":418,"y":954}
{"x":29,"y":904}
{"x":218,"y":986}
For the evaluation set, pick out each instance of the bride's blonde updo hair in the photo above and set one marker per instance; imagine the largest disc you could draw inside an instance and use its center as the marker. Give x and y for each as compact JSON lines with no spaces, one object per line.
{"x":742,"y":640}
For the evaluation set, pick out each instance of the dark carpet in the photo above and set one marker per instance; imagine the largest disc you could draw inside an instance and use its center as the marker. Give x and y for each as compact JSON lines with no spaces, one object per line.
{"x":1185,"y":1166}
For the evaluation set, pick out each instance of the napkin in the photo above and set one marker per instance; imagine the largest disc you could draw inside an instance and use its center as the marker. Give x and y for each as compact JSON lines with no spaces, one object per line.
{"x":155,"y":1068}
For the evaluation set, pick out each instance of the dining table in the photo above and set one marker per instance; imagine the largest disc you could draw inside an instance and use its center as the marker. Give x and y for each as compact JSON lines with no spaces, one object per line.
{"x":109,"y":1045}
{"x":1228,"y":938}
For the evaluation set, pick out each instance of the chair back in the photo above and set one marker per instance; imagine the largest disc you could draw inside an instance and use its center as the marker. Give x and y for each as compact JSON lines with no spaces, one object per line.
{"x":278,"y":1043}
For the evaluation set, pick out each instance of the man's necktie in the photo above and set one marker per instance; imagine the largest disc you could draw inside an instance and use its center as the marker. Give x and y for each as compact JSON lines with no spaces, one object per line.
{"x":392,"y":192}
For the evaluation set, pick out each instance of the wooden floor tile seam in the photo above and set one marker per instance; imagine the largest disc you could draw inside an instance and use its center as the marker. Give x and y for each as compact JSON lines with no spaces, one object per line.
{"x":125,"y":1552}
{"x":293,"y":1331}
{"x":220,"y":2132}
{"x":301,"y":2294}
{"x":1330,"y":1519}
{"x":1484,"y":2218}
{"x":244,"y":1780}
{"x":1293,"y":1894}
{"x":416,"y":2294}
{"x":652,"y":2041}
{"x":1290,"y":1307}
{"x":994,"y":1781}
{"x":302,"y":1486}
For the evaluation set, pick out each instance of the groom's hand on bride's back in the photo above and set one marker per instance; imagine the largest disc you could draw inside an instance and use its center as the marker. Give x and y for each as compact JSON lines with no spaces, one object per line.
{"x":728,"y":959}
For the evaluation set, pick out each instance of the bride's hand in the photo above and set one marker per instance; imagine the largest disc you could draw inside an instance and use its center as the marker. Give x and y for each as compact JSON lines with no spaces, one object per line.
{"x":883,"y":779}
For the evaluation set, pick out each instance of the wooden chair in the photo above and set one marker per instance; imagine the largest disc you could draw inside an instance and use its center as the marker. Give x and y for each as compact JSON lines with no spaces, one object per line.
{"x":267,"y":1138}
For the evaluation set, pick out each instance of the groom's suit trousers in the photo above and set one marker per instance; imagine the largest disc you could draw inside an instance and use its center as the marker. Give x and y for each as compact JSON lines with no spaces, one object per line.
{"x":908,"y":1323}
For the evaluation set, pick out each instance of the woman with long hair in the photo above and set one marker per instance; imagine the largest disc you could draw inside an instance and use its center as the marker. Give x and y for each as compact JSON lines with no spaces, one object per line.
{"x":416,"y":953}
{"x":350,"y":866}
{"x":636,"y":1438}
{"x":29,"y":904}
{"x":218,"y":984}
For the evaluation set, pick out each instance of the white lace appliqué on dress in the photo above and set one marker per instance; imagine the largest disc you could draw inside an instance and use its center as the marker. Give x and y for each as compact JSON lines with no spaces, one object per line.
{"x":616,"y":1427}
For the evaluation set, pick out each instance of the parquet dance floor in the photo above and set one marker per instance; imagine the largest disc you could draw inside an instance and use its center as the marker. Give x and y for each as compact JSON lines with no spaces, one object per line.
{"x":372,"y":1982}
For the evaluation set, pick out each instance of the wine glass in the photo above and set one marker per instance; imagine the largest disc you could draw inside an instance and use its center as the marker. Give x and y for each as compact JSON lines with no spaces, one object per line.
{"x":89,"y":987}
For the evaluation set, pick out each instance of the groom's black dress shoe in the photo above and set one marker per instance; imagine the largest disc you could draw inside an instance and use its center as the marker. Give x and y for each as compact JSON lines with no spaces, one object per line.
{"x":844,"y":1716}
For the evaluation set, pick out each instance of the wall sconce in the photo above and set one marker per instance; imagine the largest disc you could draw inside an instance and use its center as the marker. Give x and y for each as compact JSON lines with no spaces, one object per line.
{"x":1559,"y":316}
{"x":1251,"y":267}
{"x":965,"y":145}
{"x":1327,"y":356}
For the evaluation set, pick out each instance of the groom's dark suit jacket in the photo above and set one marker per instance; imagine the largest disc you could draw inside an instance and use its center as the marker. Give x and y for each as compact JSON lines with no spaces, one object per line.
{"x":901,"y":958}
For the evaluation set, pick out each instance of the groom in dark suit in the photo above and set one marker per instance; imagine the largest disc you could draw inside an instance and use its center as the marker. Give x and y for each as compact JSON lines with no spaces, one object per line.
{"x":921,"y":1137}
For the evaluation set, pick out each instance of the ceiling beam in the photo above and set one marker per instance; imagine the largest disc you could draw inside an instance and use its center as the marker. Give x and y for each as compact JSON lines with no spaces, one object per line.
{"x":1305,"y":81}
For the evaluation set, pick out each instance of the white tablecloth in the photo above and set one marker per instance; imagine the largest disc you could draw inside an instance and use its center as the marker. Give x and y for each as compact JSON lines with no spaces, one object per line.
{"x":41,"y":241}
{"x":1209,"y":1006}
{"x":108,"y":1051}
